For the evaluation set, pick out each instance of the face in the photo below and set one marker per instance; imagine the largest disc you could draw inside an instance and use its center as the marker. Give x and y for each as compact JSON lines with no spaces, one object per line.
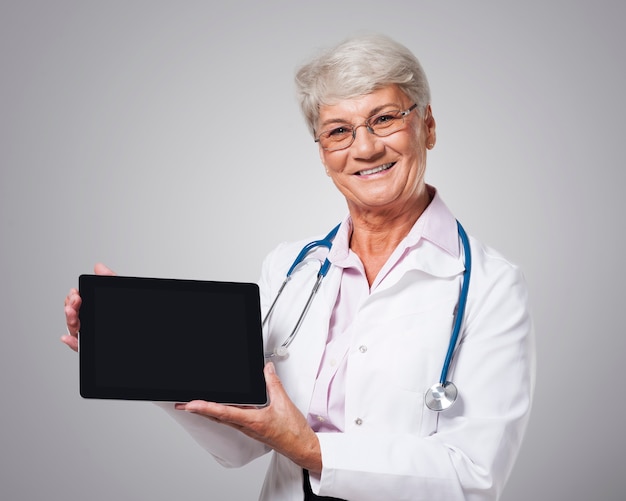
{"x":379,"y":173}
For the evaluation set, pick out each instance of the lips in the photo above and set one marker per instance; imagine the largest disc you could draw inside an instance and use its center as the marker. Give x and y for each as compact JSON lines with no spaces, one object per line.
{"x":376,"y":170}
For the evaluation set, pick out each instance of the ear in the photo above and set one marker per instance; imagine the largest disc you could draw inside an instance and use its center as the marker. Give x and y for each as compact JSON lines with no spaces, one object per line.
{"x":431,"y":126}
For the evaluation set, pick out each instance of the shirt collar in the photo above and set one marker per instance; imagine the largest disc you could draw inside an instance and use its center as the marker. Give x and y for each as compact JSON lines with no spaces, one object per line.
{"x":436,"y":225}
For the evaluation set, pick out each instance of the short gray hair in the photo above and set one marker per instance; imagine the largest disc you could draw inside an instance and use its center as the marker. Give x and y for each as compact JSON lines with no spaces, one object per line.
{"x":359,"y":66}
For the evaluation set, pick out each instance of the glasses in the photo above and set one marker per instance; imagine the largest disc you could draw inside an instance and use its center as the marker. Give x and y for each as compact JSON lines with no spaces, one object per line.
{"x":381,"y":125}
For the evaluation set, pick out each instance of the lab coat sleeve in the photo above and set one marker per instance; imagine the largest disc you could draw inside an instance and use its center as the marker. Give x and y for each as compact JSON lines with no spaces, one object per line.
{"x":465,"y":453}
{"x":228,"y":446}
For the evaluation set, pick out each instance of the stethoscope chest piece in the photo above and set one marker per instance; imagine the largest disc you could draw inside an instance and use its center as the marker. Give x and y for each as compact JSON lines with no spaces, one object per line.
{"x":440,"y":396}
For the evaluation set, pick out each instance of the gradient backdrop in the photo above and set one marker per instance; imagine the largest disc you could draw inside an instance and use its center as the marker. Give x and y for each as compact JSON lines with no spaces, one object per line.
{"x":163,"y":138}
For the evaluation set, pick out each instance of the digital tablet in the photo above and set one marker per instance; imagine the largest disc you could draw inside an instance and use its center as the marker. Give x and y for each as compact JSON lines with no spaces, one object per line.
{"x":170,"y":340}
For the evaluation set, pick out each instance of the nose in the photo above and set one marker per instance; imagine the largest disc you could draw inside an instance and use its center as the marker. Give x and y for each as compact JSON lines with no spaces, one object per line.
{"x":366,"y":144}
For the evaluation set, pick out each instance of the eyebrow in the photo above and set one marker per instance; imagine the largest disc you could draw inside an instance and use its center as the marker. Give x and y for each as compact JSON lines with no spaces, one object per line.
{"x":373,"y":112}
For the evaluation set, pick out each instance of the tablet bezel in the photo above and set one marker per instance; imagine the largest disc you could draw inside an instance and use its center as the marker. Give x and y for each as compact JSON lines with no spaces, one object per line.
{"x":91,"y":386}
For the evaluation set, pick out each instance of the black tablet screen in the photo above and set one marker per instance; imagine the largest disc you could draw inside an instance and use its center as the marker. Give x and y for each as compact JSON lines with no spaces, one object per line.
{"x":174,"y":340}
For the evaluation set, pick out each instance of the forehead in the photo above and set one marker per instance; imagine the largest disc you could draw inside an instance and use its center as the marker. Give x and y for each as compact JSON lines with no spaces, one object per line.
{"x":363,"y":107}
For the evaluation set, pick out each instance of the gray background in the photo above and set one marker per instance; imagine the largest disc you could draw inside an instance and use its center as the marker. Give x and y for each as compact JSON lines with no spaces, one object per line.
{"x":163,"y":138}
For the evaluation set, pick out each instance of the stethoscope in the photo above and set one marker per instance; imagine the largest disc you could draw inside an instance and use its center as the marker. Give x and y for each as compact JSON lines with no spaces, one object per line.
{"x":439,"y":396}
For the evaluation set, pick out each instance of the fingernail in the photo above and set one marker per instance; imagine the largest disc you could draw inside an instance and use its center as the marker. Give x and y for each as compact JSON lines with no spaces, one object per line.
{"x":270,"y":368}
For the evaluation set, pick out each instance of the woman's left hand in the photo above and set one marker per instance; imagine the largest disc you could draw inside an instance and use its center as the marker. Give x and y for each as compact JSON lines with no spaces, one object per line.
{"x":280,"y":424}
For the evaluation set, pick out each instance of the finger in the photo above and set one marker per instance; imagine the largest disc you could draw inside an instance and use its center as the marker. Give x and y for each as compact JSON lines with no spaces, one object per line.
{"x":243,"y":420}
{"x":101,"y":269}
{"x":70,"y":295}
{"x":72,"y":321}
{"x":72,"y":306}
{"x":208,"y":409}
{"x":194,"y":409}
{"x":71,"y":341}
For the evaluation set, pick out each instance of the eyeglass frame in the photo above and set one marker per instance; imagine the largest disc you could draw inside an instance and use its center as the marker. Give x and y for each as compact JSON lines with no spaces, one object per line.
{"x":403,"y":115}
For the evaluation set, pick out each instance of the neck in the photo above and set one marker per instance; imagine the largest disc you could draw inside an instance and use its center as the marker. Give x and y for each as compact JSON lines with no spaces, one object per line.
{"x":376,"y":234}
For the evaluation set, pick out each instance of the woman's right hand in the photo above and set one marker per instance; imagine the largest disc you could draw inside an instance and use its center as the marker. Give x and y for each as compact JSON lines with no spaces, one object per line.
{"x":72,"y":307}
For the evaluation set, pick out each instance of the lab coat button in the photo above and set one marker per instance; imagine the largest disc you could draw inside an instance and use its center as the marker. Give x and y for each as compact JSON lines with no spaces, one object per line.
{"x":358,"y":421}
{"x":362,"y":348}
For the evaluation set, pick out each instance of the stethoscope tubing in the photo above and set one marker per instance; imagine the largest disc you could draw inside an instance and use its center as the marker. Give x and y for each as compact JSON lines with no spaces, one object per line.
{"x":460,"y":311}
{"x":326,"y":242}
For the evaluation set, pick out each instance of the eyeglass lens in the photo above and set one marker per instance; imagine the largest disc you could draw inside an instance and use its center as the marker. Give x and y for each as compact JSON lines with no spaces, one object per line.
{"x":382,"y":124}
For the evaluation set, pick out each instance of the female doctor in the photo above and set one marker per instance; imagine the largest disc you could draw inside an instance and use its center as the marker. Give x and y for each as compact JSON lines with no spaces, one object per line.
{"x":347,"y":417}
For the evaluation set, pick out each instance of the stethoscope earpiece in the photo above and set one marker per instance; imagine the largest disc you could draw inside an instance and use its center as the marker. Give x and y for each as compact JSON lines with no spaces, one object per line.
{"x":281,"y":352}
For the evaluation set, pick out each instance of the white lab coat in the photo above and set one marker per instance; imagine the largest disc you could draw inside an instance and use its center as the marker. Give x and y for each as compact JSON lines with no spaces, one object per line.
{"x":394,"y":447}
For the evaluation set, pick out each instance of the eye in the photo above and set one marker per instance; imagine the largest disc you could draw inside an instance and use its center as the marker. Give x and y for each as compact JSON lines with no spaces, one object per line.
{"x":338,"y":131}
{"x":384,"y":119}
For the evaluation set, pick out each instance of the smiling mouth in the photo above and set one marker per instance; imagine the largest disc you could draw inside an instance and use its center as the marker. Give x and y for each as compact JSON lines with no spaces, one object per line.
{"x":376,"y":170}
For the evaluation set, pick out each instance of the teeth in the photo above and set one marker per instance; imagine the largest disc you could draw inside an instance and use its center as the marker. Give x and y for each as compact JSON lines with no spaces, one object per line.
{"x":375,"y":170}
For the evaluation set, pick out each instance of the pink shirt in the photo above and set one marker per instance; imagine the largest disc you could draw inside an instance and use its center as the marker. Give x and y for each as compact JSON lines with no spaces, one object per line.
{"x":326,"y":411}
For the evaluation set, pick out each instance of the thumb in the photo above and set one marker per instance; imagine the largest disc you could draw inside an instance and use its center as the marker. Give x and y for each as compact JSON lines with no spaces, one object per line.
{"x":272,"y":381}
{"x":101,"y":269}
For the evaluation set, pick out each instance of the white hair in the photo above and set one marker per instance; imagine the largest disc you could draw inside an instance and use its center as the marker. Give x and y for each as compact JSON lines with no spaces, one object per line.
{"x":359,"y":66}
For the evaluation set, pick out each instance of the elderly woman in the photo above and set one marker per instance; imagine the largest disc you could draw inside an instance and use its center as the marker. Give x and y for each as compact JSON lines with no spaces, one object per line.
{"x":347,"y":417}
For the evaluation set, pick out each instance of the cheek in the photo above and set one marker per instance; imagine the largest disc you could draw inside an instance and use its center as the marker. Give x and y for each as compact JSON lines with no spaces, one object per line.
{"x":415,"y":148}
{"x":410,"y":147}
{"x":333,"y":161}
